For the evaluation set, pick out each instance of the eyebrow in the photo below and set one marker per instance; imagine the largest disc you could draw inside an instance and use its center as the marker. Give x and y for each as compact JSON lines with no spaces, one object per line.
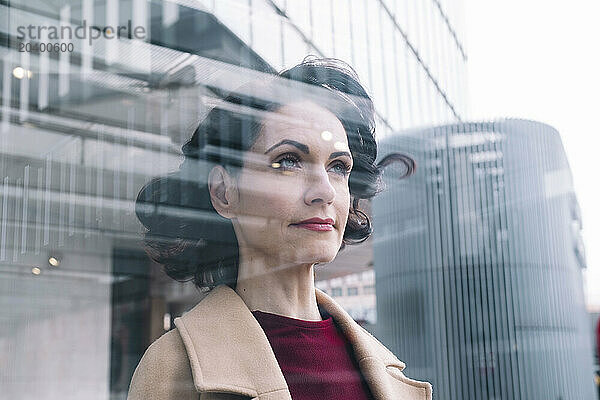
{"x":304,"y":148}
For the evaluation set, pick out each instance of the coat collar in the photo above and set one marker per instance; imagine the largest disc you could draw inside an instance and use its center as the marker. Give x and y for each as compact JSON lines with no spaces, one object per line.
{"x":229,"y":351}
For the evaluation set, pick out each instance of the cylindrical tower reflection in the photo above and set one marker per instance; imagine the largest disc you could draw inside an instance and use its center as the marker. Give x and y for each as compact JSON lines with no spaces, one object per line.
{"x":478,"y":263}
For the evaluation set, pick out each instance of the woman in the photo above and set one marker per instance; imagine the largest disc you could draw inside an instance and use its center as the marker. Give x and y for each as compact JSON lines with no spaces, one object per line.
{"x":282,"y":195}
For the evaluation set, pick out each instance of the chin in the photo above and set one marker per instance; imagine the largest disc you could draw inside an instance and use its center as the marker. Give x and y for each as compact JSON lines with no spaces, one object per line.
{"x":322,"y":257}
{"x":312,"y":257}
{"x":315,"y":251}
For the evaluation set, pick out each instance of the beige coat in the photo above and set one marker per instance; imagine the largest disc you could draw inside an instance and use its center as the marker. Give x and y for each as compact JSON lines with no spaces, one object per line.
{"x":219,"y":351}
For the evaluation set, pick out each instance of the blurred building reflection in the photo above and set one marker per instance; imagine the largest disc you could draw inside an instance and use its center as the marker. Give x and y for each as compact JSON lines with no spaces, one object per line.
{"x":356,"y":294}
{"x":478,"y":263}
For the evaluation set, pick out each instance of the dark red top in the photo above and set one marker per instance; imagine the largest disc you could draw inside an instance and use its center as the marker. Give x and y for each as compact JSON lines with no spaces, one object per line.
{"x":316,"y":359}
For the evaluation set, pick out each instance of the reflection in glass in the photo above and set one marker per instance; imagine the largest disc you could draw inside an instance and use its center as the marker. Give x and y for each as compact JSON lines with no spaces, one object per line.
{"x":476,"y":257}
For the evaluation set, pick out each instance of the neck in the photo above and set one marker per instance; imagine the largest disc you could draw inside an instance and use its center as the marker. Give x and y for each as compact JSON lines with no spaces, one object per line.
{"x":277,"y":288}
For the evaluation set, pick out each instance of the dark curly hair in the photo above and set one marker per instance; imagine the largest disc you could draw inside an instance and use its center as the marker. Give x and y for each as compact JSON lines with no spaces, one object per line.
{"x":185,"y":233}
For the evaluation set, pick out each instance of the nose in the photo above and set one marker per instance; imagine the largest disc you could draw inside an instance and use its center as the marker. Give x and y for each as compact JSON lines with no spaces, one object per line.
{"x":319,"y":188}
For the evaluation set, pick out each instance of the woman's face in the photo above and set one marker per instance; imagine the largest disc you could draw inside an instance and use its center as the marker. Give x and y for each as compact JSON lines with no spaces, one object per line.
{"x":297,"y":169}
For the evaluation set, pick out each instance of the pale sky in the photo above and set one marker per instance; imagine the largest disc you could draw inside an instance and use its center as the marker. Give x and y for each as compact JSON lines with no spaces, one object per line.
{"x":540,"y":60}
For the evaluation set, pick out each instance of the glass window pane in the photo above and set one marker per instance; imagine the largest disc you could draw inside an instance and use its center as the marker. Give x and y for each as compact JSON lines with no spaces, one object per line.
{"x":389,"y":66}
{"x":322,"y":28}
{"x":376,"y":56}
{"x":341,"y":30}
{"x":299,"y":14}
{"x":360,"y":52}
{"x":294,"y":46}
{"x":267,"y":33}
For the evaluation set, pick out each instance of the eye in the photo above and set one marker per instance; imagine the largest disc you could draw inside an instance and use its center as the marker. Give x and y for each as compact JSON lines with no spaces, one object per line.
{"x":286,"y":161}
{"x":344,"y":167}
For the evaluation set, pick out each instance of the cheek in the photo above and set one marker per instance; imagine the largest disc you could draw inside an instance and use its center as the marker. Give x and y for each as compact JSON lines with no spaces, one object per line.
{"x":343,"y":204}
{"x":346,"y":212}
{"x":271,"y":201}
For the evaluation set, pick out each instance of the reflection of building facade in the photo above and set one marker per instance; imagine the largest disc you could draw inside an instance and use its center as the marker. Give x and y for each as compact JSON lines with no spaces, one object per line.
{"x":478,"y":264}
{"x":82,"y":131}
{"x":410,"y":55}
{"x":355,"y":293}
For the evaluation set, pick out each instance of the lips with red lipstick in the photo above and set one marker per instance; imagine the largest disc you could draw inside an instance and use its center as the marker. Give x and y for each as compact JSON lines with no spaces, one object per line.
{"x":316,"y":224}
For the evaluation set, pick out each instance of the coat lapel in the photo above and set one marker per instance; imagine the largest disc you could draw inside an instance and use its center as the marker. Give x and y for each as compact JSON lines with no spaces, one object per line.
{"x":380,"y":367}
{"x":229,"y":352}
